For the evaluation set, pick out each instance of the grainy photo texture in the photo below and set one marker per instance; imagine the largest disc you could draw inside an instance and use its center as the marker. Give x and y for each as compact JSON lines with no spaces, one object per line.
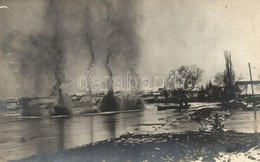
{"x":129,"y":80}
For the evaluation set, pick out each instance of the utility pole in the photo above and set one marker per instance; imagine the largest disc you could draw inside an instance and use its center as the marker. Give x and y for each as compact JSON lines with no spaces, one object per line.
{"x":252,"y":89}
{"x":251,"y":79}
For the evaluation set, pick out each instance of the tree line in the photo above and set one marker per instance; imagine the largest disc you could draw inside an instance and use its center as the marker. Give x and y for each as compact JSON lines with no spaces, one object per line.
{"x":188,"y":77}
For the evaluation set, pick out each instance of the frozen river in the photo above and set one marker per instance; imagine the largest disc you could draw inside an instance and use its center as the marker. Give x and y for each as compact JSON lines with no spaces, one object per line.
{"x":23,"y":137}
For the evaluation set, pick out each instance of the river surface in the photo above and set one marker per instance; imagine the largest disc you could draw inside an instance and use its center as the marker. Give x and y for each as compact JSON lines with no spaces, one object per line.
{"x":22,"y":137}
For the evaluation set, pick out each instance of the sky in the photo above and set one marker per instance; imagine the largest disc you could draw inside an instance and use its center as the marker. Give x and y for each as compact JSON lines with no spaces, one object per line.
{"x":171,"y":33}
{"x":188,"y":32}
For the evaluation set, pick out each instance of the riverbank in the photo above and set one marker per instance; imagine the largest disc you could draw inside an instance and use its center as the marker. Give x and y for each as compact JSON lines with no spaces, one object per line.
{"x":24,"y":137}
{"x":189,"y":146}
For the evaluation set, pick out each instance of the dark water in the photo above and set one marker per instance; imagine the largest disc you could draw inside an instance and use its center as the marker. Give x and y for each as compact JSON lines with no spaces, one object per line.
{"x":244,"y":121}
{"x":23,"y":137}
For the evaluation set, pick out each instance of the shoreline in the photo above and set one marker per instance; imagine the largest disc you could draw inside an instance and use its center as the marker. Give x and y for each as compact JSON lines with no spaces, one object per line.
{"x":188,"y":146}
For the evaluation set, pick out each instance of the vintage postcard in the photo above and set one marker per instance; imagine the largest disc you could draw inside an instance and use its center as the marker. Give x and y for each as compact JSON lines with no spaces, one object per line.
{"x":129,"y":80}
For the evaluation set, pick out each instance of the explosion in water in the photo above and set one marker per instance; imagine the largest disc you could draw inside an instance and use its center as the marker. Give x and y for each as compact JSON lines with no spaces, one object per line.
{"x":114,"y":31}
{"x":111,"y":27}
{"x":54,"y":16}
{"x":37,"y":49}
{"x":109,"y":102}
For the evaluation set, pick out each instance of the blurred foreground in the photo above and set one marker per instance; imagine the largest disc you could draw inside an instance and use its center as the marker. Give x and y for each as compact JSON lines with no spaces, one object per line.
{"x":169,"y":147}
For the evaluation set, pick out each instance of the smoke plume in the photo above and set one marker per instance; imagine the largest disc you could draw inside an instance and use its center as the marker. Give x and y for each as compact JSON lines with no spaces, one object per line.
{"x":53,"y":17}
{"x":44,"y":41}
{"x":109,"y":71}
{"x":112,"y":25}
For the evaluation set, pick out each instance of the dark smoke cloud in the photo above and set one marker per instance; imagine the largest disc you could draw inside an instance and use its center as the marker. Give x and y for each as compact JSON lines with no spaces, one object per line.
{"x":47,"y":40}
{"x":39,"y":55}
{"x":109,"y":80}
{"x":54,"y":19}
{"x":113,"y":27}
{"x":90,"y":66}
{"x":92,"y":57}
{"x":109,"y":71}
{"x":33,"y":59}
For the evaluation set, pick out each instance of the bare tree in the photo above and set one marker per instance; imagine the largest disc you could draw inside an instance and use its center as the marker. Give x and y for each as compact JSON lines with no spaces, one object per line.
{"x":187,"y":76}
{"x":229,"y":75}
{"x":219,"y":79}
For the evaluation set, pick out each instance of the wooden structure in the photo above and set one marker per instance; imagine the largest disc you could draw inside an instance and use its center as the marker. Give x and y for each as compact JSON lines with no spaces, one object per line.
{"x":243,"y":85}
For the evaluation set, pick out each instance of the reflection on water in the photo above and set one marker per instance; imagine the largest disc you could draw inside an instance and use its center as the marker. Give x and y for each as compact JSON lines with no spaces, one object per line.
{"x":20,"y":138}
{"x":43,"y":135}
{"x":110,"y":125}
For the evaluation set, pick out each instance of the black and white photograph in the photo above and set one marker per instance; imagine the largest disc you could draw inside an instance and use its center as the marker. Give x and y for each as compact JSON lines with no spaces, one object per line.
{"x":129,"y":80}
